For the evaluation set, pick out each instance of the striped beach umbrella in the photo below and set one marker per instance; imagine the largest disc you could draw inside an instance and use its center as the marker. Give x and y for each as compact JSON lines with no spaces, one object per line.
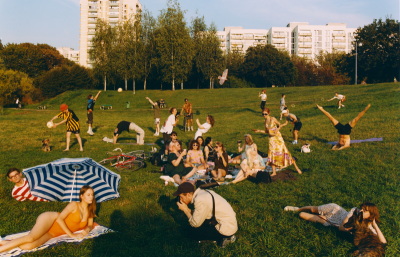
{"x":62,"y":179}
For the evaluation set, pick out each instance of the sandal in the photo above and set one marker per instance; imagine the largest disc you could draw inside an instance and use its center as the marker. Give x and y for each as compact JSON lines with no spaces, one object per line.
{"x":291,"y":208}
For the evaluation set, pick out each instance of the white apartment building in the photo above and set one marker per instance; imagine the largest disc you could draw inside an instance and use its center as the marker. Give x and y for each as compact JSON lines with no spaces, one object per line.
{"x":239,"y":39}
{"x":110,"y":11}
{"x":69,"y":53}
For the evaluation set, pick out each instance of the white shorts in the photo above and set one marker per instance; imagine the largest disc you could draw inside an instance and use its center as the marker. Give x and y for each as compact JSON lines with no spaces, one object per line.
{"x":157,"y":121}
{"x":284,"y":111}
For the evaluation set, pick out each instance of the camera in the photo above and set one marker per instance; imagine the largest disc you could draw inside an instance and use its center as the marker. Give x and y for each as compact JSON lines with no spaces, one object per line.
{"x":177,"y":114}
{"x":239,"y":141}
{"x":178,"y":199}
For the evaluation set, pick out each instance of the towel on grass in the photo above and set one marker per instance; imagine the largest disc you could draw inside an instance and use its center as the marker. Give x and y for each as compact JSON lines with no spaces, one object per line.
{"x":97,"y":231}
{"x":360,"y":141}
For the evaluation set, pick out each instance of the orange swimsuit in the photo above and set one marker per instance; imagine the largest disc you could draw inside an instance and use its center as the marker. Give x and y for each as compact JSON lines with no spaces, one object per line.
{"x":73,"y":222}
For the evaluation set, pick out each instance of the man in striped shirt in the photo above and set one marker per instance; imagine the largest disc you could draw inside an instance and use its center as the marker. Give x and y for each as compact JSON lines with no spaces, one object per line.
{"x":72,"y":124}
{"x":21,"y":191}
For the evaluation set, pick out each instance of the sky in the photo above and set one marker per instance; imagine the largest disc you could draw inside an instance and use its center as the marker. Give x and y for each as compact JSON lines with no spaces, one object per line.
{"x":56,"y":22}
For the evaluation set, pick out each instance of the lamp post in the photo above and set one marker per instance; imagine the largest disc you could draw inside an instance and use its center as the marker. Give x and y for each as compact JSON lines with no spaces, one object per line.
{"x":356,"y":61}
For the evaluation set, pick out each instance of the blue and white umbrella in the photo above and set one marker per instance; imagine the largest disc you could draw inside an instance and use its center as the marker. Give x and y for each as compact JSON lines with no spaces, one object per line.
{"x":62,"y":179}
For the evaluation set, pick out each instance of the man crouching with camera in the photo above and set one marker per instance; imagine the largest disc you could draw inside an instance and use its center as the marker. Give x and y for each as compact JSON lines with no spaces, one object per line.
{"x":212,"y":219}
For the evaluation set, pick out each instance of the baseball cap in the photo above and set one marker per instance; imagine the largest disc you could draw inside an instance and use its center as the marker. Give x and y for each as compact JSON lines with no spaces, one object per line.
{"x":185,"y":187}
{"x":63,"y":107}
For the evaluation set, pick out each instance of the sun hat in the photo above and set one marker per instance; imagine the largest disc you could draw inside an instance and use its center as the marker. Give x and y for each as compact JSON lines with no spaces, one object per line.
{"x":184,"y":188}
{"x":63,"y":107}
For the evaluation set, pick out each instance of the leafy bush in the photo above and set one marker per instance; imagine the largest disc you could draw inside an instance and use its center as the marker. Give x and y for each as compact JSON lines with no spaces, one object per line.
{"x":13,"y":85}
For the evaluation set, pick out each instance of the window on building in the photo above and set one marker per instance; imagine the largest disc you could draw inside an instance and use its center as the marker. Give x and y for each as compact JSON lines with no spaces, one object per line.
{"x":320,"y":38}
{"x":327,"y":44}
{"x":327,"y":32}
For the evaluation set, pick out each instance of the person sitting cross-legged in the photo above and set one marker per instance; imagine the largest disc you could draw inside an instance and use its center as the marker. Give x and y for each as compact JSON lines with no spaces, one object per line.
{"x":212,"y":218}
{"x":195,"y":157}
{"x":175,"y":167}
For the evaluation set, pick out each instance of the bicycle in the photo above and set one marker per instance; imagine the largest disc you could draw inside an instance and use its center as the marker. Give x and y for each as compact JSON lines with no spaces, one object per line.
{"x":124,"y":162}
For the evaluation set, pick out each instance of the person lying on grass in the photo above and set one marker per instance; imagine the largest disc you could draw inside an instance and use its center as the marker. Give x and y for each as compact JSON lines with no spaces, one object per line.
{"x":175,"y":167}
{"x":21,"y":191}
{"x":333,"y":215}
{"x":221,"y":162}
{"x":76,"y":216}
{"x":278,"y":154}
{"x":250,"y":166}
{"x":126,"y":126}
{"x":343,"y":130}
{"x":195,"y":157}
{"x":212,"y":219}
{"x":72,"y":124}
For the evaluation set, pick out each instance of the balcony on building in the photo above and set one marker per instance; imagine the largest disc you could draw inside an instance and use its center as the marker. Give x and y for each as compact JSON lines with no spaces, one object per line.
{"x":113,"y":20}
{"x":237,"y":36}
{"x":339,"y":40}
{"x":221,"y":38}
{"x":305,"y":39}
{"x":91,"y":26}
{"x":280,"y":41}
{"x":305,"y":51}
{"x":260,"y":36}
{"x":113,"y":15}
{"x":305,"y":45}
{"x":256,"y":43}
{"x":92,"y":20}
{"x":339,"y":34}
{"x":335,"y":46}
{"x":113,"y":3}
{"x":113,"y":9}
{"x":305,"y":34}
{"x":248,"y":36}
{"x":279,"y":46}
{"x":91,"y":32}
{"x":278,"y":34}
{"x":222,"y":44}
{"x":92,"y":8}
{"x":92,"y":15}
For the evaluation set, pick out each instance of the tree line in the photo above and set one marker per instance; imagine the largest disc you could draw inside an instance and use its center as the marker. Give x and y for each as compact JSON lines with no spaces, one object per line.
{"x":165,"y":52}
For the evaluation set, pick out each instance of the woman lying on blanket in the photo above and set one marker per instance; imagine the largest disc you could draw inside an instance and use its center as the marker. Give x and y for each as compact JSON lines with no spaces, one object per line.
{"x":343,"y":130}
{"x":76,"y":216}
{"x":250,"y":166}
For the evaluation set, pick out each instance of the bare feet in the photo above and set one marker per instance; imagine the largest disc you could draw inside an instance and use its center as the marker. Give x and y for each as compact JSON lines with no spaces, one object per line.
{"x":366,"y":108}
{"x":273,"y":174}
{"x":81,"y":149}
{"x":66,"y":150}
{"x":319,"y":107}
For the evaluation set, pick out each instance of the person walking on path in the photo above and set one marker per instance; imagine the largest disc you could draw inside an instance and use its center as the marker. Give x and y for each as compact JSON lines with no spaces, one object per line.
{"x":157,"y":117}
{"x":343,"y":130}
{"x":341,"y":99}
{"x":73,"y":126}
{"x":263,"y":96}
{"x":90,"y":106}
{"x":187,"y":107}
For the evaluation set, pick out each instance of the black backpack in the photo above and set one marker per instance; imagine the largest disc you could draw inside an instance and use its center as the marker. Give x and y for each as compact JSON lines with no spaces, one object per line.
{"x":156,"y":159}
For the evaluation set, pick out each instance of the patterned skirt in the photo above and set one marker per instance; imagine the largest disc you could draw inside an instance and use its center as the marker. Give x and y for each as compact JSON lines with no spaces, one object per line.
{"x":278,"y":154}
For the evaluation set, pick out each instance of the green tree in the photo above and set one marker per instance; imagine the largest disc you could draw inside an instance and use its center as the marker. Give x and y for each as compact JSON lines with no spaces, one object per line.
{"x":149,"y":55}
{"x":1,"y":45}
{"x":174,"y":45}
{"x":13,"y":85}
{"x":233,"y":62}
{"x":197,"y":30}
{"x":135,"y":50}
{"x":265,"y":65}
{"x":102,"y":46}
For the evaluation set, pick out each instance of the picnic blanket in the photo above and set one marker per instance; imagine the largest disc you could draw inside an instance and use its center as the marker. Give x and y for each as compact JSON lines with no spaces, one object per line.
{"x":360,"y":141}
{"x":97,"y":231}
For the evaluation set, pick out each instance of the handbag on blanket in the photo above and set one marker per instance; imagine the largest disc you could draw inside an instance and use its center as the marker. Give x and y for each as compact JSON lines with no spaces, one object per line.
{"x":207,"y":183}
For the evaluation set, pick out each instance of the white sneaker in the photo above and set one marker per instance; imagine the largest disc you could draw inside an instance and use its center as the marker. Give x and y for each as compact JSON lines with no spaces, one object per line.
{"x":91,"y":133}
{"x":192,"y":129}
{"x":339,"y":107}
{"x":291,"y":208}
{"x":294,"y":142}
{"x":155,"y":134}
{"x":342,"y":105}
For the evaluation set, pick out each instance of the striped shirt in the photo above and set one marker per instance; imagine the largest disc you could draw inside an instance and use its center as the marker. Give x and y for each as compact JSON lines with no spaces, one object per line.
{"x":23,"y":193}
{"x":72,"y":120}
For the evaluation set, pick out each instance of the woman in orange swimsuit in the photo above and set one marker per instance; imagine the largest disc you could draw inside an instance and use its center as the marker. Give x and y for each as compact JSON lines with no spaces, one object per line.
{"x":76,"y":216}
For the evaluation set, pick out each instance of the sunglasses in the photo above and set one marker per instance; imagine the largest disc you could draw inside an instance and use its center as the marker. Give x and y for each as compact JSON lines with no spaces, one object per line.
{"x":173,"y":135}
{"x":216,"y":146}
{"x":265,"y":114}
{"x":195,"y":145}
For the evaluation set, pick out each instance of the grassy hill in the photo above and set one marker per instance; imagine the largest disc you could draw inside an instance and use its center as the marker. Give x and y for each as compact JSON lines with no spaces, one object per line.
{"x":146,"y":217}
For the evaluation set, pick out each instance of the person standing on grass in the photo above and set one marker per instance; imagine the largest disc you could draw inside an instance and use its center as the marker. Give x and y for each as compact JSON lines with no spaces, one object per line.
{"x":17,"y":103}
{"x":169,"y":124}
{"x":278,"y":154}
{"x":333,"y":215}
{"x":187,"y":107}
{"x":126,"y":126}
{"x":283,"y":106}
{"x":290,"y":117}
{"x":263,"y":96}
{"x":341,"y":99}
{"x":212,"y":218}
{"x":157,"y":117}
{"x":75,"y":217}
{"x":21,"y":191}
{"x":72,"y":124}
{"x":90,"y":106}
{"x":343,"y":130}
{"x":205,"y":127}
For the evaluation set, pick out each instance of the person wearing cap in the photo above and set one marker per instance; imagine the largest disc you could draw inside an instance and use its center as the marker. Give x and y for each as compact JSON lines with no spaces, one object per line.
{"x":263,"y":96}
{"x":212,"y":218}
{"x":73,"y":126}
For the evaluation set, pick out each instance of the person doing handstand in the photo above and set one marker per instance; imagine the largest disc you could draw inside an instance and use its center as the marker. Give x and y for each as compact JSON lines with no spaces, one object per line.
{"x":343,"y":130}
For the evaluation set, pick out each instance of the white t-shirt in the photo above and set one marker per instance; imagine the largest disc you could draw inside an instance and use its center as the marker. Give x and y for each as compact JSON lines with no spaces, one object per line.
{"x":263,"y":97}
{"x":340,"y":97}
{"x":168,"y":125}
{"x":283,"y":102}
{"x":17,"y":101}
{"x":206,"y":127}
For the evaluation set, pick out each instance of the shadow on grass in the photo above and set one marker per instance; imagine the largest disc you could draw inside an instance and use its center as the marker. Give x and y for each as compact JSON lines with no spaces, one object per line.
{"x":248,"y":110}
{"x":75,"y":142}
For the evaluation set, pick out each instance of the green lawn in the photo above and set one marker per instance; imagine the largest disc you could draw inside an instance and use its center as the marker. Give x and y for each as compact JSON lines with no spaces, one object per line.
{"x":147,"y":218}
